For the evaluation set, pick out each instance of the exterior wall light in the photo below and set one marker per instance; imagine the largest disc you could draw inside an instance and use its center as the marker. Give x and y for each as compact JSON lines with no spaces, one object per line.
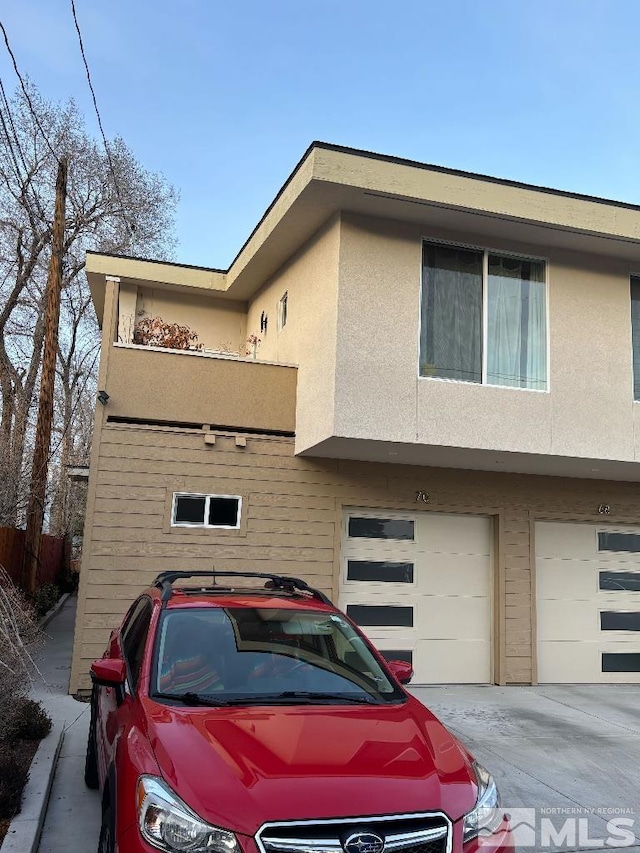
{"x":103,"y":397}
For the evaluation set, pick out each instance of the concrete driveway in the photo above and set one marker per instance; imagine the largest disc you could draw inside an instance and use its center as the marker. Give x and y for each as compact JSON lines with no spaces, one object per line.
{"x":572,"y":753}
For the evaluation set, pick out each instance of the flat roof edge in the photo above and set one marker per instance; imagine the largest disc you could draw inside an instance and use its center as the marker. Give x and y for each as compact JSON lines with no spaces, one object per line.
{"x":461,"y":173}
{"x":156,"y":261}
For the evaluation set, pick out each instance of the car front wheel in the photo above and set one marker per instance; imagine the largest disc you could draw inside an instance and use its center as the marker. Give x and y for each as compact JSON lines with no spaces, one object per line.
{"x":105,"y":843}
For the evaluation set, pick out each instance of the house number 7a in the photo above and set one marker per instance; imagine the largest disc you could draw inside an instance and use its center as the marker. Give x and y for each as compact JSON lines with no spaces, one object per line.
{"x":423,"y":497}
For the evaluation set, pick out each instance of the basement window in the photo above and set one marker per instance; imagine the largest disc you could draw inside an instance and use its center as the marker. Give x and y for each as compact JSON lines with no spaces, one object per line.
{"x":215,"y":511}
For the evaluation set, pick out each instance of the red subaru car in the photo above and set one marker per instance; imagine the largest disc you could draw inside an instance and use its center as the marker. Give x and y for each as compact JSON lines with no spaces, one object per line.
{"x":228,"y":719}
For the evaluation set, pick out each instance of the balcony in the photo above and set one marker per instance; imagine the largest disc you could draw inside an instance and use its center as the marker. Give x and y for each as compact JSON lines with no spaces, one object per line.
{"x":175,"y":386}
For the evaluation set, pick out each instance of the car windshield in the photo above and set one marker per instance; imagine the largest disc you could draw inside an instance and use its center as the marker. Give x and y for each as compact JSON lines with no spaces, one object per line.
{"x":253,"y":655}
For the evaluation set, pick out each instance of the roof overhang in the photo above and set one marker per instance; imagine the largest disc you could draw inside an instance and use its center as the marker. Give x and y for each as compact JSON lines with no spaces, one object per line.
{"x":330,"y":179}
{"x":101,"y":266}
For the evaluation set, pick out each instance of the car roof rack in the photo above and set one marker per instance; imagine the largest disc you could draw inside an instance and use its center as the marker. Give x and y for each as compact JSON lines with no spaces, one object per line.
{"x":165,"y":581}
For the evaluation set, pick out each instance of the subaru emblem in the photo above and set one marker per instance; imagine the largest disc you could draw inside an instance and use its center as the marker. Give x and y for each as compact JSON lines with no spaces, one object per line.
{"x":363,"y":842}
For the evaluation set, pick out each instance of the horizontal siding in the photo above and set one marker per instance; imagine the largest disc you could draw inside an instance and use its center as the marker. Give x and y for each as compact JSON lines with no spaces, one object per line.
{"x":293,"y":520}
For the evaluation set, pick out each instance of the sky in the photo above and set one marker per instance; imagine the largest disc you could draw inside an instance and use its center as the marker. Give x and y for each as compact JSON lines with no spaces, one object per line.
{"x":223,"y":98}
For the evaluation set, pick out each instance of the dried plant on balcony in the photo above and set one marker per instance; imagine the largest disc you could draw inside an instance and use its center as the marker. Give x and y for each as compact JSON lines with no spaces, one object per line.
{"x":155,"y":332}
{"x":251,"y":348}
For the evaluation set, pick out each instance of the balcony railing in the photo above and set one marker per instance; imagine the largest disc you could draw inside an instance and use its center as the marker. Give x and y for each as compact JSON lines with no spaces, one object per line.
{"x":185,"y":386}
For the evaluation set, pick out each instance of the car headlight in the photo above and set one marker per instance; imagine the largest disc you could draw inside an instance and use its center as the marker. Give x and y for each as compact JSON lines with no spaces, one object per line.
{"x":486,"y":816}
{"x":168,"y":823}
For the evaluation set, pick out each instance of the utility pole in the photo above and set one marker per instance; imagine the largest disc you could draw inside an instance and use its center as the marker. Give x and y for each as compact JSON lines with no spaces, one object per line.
{"x":40,"y":468}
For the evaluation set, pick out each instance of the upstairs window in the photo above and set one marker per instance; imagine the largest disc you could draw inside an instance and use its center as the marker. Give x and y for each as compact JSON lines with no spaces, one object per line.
{"x":282,"y":311}
{"x":206,"y":511}
{"x":483,"y":318}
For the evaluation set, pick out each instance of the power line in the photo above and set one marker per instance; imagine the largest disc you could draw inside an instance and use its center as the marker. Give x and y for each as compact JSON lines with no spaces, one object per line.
{"x":24,"y":90}
{"x":95,"y":104}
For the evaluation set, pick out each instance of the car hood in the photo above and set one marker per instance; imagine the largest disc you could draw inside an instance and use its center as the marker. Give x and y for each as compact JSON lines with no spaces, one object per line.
{"x":241,"y":767}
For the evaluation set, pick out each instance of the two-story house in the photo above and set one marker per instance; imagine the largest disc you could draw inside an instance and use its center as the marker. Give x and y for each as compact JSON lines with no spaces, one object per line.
{"x":417,"y":391}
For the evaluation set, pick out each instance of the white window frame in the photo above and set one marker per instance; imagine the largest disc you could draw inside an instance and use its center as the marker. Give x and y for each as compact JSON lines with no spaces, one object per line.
{"x":283,"y":310}
{"x":197,"y":525}
{"x":486,"y":250}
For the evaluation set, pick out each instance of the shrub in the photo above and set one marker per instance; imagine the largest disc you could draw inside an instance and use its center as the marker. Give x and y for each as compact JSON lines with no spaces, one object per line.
{"x":45,"y":598}
{"x":18,"y":636}
{"x":13,"y":778}
{"x":26,"y":720}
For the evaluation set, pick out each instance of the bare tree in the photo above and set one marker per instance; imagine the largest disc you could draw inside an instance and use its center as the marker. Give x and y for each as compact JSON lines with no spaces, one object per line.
{"x":129,"y":214}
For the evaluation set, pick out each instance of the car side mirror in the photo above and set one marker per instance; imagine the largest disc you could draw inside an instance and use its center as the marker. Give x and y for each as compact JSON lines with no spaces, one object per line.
{"x":402,"y":670}
{"x":110,"y":672}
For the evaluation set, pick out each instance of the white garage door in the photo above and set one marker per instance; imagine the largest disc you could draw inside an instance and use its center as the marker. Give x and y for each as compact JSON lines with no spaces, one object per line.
{"x":588,"y":591}
{"x":419,"y":585}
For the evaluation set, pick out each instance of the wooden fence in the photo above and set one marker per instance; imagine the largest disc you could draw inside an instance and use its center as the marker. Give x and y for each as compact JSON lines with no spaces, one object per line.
{"x":53,"y":555}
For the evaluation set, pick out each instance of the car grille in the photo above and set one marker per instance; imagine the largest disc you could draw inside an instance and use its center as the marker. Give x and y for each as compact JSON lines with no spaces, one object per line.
{"x":423,"y":833}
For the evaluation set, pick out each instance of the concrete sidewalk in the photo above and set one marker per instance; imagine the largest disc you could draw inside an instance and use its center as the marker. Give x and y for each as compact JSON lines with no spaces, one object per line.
{"x":72,"y":822}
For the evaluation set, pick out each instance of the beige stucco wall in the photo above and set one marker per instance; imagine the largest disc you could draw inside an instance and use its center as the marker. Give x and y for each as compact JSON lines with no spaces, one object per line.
{"x":588,"y":411}
{"x":309,"y":338}
{"x":156,"y":385}
{"x":220,"y":324}
{"x":292,"y":517}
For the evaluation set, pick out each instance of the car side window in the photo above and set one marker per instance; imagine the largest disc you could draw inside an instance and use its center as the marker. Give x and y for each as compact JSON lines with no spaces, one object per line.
{"x":134,"y":639}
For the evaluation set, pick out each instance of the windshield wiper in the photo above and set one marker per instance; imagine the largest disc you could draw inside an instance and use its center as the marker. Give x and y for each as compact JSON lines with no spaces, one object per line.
{"x":287,"y":697}
{"x":191,"y":699}
{"x":309,"y":696}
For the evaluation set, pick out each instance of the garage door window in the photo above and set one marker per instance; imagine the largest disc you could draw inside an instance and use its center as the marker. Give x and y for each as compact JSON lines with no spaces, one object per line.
{"x":620,"y":581}
{"x":381,"y":615}
{"x":612,"y":541}
{"x":365,"y":527}
{"x":619,"y":620}
{"x":384,"y":572}
{"x":620,"y":662}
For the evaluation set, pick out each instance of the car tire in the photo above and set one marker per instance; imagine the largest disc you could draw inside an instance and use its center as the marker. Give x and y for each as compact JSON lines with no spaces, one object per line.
{"x":91,"y":778}
{"x":106,"y":841}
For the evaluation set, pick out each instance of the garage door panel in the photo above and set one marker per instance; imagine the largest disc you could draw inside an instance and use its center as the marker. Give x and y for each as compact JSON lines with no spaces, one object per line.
{"x":450,"y":594}
{"x":568,"y":579}
{"x":449,"y":617}
{"x":451,"y":534}
{"x":567,"y":620}
{"x":586,"y":579}
{"x":569,"y":663}
{"x":452,"y":662}
{"x":568,"y":541}
{"x":588,"y":604}
{"x":459,"y":574}
{"x":434,"y":617}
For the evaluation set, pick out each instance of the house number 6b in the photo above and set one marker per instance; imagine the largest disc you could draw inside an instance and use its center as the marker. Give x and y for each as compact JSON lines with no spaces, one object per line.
{"x":425,"y":497}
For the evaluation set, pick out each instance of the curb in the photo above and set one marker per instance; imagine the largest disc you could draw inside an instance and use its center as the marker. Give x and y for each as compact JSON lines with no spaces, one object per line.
{"x":23,"y":835}
{"x":48,"y":616}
